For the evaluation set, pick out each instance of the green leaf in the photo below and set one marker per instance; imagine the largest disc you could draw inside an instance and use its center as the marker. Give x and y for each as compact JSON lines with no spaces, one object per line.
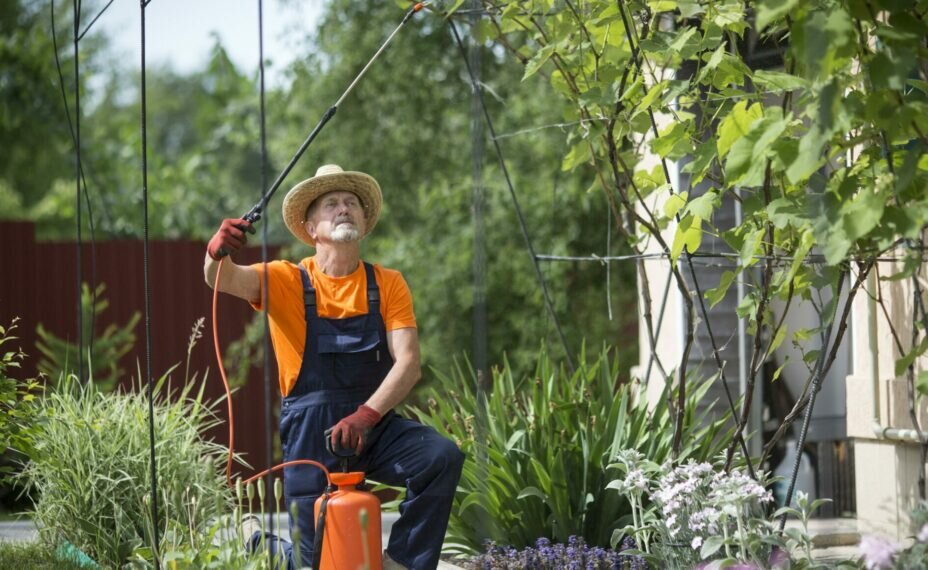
{"x":688,"y":235}
{"x":802,"y":335}
{"x":716,"y":294}
{"x":662,"y":5}
{"x":778,"y":339}
{"x":579,"y":154}
{"x":701,"y":161}
{"x":779,"y":370}
{"x":674,"y":203}
{"x":921,"y":383}
{"x":749,"y":247}
{"x":825,"y":40}
{"x":784,"y":212}
{"x":736,"y":124}
{"x":903,"y":363}
{"x":703,"y":206}
{"x":532,"y":492}
{"x":711,"y":546}
{"x":809,"y":158}
{"x":674,"y":142}
{"x":770,"y":10}
{"x":453,"y":8}
{"x":653,"y":93}
{"x":778,"y":81}
{"x":537,"y":61}
{"x":746,"y":163}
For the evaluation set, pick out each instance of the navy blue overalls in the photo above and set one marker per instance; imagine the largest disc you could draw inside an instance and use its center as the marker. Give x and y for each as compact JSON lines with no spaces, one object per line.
{"x":344,"y":362}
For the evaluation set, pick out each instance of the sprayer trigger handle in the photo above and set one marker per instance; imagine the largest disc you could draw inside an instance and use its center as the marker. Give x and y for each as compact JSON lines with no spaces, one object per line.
{"x":337,"y":450}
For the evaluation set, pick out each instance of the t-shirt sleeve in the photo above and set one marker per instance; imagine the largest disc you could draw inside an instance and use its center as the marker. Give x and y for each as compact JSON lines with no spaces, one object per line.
{"x":398,"y":311}
{"x":279,"y":282}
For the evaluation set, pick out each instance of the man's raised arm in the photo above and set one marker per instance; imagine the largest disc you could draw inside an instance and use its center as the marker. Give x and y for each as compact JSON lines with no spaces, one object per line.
{"x":241,"y":281}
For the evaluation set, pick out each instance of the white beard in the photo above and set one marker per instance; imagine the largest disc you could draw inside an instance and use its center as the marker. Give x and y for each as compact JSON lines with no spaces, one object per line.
{"x":345,"y":233}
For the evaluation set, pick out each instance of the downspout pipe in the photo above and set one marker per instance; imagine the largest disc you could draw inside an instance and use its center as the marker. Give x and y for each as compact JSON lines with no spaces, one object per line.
{"x":879,"y":430}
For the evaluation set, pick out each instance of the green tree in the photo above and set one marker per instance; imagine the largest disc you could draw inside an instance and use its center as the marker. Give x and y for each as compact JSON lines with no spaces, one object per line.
{"x":828,"y":151}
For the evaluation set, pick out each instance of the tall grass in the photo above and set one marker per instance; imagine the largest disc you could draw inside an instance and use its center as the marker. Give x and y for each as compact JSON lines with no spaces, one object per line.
{"x":540,"y":446}
{"x":91,"y":468}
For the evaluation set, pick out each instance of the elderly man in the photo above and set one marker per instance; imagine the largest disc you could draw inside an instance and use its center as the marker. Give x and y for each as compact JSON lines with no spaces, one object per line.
{"x":347,"y":349}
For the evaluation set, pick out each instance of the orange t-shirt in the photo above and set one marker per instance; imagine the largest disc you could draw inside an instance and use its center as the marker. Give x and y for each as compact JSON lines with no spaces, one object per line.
{"x":336,"y":298}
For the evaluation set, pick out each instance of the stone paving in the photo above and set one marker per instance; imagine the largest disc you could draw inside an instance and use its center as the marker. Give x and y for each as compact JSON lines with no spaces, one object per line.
{"x":834,"y":539}
{"x":24,"y":530}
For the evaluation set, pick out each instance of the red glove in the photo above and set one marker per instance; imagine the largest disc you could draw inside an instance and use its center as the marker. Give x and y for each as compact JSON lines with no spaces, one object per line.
{"x":229,"y":238}
{"x":352,"y":430}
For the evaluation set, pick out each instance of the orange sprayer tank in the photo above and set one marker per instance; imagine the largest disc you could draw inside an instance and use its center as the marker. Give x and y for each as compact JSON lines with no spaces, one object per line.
{"x":346,"y":545}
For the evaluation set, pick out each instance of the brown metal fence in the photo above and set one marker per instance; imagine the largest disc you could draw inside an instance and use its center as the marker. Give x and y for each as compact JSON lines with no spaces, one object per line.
{"x":38,"y":285}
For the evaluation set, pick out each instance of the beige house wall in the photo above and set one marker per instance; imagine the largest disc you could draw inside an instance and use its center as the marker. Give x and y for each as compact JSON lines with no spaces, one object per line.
{"x":879,"y":420}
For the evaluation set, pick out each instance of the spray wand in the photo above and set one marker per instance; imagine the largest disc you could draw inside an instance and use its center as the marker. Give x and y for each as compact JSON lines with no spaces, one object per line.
{"x":257,"y":210}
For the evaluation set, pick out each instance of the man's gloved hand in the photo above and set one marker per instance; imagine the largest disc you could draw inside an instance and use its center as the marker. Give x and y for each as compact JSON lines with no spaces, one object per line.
{"x":351,"y":432}
{"x":229,"y":238}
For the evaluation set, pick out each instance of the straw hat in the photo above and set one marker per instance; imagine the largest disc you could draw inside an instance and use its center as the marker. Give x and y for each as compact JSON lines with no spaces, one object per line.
{"x":331,"y":178}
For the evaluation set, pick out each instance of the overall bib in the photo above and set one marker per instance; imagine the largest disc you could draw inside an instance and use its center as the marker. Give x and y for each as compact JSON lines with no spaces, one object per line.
{"x":344,"y":362}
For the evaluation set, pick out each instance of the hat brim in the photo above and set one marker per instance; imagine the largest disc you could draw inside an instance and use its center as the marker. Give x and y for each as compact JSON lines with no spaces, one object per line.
{"x":300,"y":197}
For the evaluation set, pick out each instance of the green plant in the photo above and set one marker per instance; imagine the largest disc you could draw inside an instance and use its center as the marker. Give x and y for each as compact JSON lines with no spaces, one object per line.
{"x":35,"y":556}
{"x":540,"y":446}
{"x":821,"y":142}
{"x":17,"y":402}
{"x":59,"y":356}
{"x":91,"y":467}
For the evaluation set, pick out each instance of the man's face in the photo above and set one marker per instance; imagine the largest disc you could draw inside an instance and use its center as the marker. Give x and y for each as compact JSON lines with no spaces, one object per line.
{"x":336,"y":217}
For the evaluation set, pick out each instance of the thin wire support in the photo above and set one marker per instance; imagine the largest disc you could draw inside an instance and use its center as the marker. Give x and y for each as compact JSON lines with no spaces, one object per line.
{"x":657,"y":336}
{"x":721,"y":366}
{"x":812,"y":258}
{"x":77,"y":176}
{"x":257,"y":210}
{"x":475,"y":85}
{"x":816,"y":386}
{"x":83,"y":180}
{"x":268,"y":440}
{"x":156,"y":544}
{"x":92,"y":22}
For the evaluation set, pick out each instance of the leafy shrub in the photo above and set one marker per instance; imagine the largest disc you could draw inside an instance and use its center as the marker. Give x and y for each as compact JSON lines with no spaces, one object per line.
{"x":59,"y":357}
{"x":696,"y":512}
{"x":91,"y":467}
{"x":17,"y":408}
{"x":540,"y":449}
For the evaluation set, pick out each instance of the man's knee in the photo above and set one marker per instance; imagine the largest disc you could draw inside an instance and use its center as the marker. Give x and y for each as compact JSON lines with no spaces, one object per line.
{"x":449,"y":457}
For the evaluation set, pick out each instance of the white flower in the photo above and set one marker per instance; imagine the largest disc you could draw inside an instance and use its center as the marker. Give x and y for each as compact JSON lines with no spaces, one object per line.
{"x":697,"y":542}
{"x":923,"y":533}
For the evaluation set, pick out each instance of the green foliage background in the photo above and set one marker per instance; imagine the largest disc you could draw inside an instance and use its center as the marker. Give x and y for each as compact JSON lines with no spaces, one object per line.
{"x":407,"y":123}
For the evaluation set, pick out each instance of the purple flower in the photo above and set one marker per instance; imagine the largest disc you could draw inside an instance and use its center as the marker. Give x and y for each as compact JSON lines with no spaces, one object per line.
{"x":878,"y":552}
{"x":778,"y":559}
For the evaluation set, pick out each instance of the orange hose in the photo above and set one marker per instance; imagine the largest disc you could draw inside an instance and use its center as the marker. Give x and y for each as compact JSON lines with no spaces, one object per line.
{"x":285,"y":464}
{"x":222,"y":372}
{"x":225,"y":382}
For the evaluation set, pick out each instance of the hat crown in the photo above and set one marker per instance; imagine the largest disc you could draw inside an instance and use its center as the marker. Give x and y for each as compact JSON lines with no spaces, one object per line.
{"x":326,"y":169}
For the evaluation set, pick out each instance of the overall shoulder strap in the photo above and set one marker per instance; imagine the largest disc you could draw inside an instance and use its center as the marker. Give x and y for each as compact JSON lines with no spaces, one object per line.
{"x":373,"y":291}
{"x":309,"y":294}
